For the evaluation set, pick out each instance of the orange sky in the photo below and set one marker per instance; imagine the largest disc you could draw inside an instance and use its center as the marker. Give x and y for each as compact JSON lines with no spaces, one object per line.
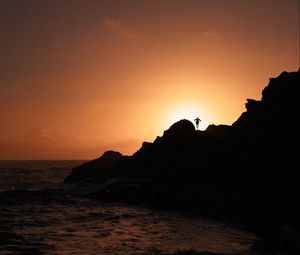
{"x":80,"y":77}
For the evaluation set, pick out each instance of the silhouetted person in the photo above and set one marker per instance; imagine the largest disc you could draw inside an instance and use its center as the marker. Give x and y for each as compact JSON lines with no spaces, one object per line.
{"x":197,"y":121}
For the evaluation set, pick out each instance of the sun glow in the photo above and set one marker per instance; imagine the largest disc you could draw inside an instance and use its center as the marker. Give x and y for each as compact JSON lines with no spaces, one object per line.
{"x":186,"y":112}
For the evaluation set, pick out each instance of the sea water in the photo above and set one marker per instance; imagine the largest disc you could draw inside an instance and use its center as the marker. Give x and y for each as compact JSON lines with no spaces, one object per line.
{"x":35,"y":218}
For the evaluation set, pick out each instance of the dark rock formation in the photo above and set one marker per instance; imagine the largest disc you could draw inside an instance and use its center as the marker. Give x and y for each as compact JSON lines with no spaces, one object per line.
{"x":180,"y":130}
{"x":277,"y":112}
{"x":248,"y":171}
{"x":95,"y":167}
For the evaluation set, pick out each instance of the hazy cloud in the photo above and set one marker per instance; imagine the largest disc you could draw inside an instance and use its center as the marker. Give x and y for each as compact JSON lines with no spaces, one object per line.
{"x":118,"y":26}
{"x":44,"y":144}
{"x":126,"y":145}
{"x":212,"y":35}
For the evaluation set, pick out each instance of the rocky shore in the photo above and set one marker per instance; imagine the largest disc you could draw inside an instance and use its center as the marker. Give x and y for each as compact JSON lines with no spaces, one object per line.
{"x":247,"y":172}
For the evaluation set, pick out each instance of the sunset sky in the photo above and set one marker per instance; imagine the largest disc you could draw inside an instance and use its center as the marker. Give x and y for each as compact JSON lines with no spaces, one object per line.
{"x":81,"y":77}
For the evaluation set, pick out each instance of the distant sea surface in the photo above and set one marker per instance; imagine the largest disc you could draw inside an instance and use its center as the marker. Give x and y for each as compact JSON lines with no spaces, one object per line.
{"x":36,"y":218}
{"x":33,"y":174}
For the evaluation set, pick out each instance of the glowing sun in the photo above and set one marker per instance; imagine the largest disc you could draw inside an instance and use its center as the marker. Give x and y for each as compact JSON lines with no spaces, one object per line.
{"x":186,"y":112}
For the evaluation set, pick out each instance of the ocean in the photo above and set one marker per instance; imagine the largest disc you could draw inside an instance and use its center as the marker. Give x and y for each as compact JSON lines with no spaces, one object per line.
{"x":38,"y":215}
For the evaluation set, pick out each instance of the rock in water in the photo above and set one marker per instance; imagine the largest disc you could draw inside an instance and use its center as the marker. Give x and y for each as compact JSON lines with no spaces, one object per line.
{"x":248,"y":171}
{"x":94,"y":167}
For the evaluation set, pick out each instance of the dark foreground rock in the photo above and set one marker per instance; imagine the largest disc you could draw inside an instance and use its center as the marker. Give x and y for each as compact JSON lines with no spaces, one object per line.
{"x":95,"y":167}
{"x":248,"y":172}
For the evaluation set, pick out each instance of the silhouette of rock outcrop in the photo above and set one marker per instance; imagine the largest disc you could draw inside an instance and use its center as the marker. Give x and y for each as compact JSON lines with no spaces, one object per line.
{"x":94,"y":167}
{"x":180,"y":129}
{"x":278,"y":111}
{"x":248,"y":171}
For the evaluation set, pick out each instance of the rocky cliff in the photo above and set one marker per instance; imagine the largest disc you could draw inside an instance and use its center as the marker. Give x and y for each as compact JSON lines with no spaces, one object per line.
{"x":248,"y":171}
